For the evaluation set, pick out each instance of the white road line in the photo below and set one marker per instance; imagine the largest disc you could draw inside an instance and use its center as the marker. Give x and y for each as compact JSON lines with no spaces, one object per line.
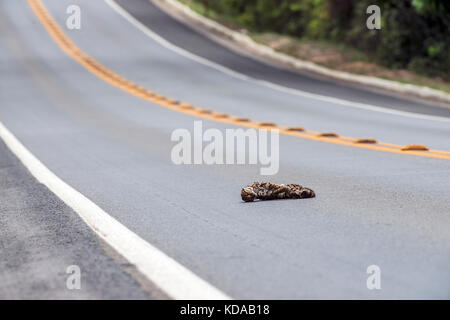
{"x":147,"y":31}
{"x":171,"y":277}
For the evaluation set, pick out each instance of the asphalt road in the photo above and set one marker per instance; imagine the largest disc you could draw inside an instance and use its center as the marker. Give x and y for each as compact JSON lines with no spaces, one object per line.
{"x":372,"y":207}
{"x":41,"y":238}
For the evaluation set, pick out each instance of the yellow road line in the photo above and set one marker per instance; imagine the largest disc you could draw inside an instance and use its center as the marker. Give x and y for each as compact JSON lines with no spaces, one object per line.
{"x":116,"y":80}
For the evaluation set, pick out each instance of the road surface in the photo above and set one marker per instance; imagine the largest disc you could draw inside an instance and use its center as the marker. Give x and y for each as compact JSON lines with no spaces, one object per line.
{"x":372,"y":207}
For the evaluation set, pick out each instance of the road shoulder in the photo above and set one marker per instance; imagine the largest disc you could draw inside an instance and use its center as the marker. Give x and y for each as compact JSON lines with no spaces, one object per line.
{"x":41,"y":237}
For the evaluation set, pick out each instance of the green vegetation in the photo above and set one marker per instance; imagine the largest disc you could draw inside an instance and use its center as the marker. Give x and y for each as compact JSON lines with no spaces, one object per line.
{"x":414,"y":35}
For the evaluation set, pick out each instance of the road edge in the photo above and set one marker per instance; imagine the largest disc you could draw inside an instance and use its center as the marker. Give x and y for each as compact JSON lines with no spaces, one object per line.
{"x":168,"y":275}
{"x":177,"y":9}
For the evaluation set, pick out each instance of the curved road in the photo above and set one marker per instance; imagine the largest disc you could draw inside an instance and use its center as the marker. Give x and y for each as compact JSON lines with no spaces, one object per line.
{"x":372,"y":207}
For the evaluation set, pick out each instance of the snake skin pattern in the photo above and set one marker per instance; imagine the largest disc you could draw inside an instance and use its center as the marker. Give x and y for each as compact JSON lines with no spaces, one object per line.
{"x":272,"y":191}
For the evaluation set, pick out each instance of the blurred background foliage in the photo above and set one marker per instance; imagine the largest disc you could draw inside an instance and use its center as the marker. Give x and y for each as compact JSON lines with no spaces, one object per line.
{"x":414,"y":35}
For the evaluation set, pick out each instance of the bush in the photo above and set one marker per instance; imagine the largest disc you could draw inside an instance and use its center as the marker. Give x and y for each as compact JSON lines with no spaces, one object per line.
{"x":415,"y":34}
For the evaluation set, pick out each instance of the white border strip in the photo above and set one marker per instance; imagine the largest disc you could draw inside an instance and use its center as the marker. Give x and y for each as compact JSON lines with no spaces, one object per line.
{"x":265,"y":51}
{"x":151,"y":34}
{"x":167,"y":274}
